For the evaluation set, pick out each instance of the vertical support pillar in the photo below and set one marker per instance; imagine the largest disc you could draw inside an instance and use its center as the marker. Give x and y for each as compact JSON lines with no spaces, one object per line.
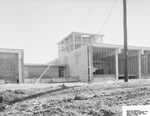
{"x":74,"y":42}
{"x":81,"y":40}
{"x":116,"y":64}
{"x":68,"y":44}
{"x":88,"y":62}
{"x":59,"y":49}
{"x":91,"y":62}
{"x":67,"y":72}
{"x":139,"y":64}
{"x":20,"y":62}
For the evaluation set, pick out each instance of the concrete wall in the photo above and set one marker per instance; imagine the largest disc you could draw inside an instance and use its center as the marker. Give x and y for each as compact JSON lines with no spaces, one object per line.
{"x":9,"y":66}
{"x":77,"y":62}
{"x":31,"y":71}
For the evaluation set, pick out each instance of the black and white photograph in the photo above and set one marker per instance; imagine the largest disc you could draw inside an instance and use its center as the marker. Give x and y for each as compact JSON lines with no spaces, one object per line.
{"x":74,"y":58}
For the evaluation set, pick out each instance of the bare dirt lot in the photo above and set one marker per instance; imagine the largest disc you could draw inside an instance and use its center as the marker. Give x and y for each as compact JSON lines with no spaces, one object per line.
{"x":73,"y":99}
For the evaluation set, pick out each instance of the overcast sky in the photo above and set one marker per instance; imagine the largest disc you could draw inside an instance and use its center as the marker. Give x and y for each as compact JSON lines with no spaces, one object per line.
{"x":38,"y":25}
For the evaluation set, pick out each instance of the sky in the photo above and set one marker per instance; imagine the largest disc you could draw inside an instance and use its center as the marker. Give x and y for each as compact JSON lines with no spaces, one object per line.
{"x":38,"y":25}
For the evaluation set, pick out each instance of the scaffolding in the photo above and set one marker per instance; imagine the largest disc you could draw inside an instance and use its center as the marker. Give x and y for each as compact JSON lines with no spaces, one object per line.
{"x":76,"y":40}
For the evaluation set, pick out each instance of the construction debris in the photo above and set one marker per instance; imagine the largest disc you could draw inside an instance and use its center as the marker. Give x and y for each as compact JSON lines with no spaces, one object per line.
{"x":63,"y":86}
{"x":79,"y":97}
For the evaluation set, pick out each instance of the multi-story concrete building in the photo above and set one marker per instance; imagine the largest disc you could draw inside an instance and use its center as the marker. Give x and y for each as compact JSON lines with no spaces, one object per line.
{"x":88,"y":59}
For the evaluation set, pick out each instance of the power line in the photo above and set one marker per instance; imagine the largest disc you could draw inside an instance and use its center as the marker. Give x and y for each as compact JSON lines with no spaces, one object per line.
{"x":137,"y":7}
{"x":132,"y":4}
{"x":108,"y":16}
{"x":88,"y":14}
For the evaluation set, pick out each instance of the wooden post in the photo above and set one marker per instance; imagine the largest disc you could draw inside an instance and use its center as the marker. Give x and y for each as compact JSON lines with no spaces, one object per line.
{"x":125,"y":42}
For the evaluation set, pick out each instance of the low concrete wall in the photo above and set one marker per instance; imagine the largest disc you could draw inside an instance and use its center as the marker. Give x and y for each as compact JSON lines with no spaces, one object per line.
{"x":145,"y":76}
{"x":33,"y":80}
{"x":51,"y":80}
{"x":2,"y":81}
{"x":69,"y":79}
{"x":97,"y":78}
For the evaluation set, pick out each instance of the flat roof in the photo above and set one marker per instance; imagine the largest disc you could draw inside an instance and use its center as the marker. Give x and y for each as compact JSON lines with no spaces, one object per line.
{"x":9,"y":50}
{"x":36,"y":64}
{"x":120,"y":46}
{"x":82,"y":33}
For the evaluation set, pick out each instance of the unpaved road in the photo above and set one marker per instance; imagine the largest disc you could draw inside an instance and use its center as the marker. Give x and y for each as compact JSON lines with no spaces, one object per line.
{"x":73,"y":99}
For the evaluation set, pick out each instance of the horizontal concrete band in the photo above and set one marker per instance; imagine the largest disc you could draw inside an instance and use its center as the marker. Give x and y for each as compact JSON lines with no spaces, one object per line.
{"x":57,"y":80}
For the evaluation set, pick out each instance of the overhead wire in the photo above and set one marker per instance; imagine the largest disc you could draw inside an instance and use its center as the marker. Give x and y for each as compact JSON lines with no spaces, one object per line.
{"x":132,"y":4}
{"x":88,"y":14}
{"x":137,"y":7}
{"x":108,"y":17}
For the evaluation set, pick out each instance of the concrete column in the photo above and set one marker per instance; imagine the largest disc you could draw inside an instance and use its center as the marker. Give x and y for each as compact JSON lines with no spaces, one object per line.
{"x":20,"y":63}
{"x":73,"y":35}
{"x":116,"y":64}
{"x":59,"y":50}
{"x":81,"y":40}
{"x":68,"y":44}
{"x":66,"y":71}
{"x":139,"y":64}
{"x":91,"y":62}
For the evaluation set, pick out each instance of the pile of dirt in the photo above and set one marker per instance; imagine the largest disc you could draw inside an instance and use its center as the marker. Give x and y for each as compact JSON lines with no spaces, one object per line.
{"x":9,"y":95}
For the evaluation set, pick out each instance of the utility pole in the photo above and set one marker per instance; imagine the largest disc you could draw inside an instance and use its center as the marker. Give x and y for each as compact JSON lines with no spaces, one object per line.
{"x":125,"y":42}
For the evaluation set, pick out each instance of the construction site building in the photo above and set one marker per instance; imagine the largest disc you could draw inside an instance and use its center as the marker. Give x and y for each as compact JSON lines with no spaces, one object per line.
{"x":82,"y":57}
{"x":88,"y":59}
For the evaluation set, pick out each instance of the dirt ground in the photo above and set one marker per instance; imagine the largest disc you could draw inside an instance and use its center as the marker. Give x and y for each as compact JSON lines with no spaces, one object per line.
{"x":73,"y":99}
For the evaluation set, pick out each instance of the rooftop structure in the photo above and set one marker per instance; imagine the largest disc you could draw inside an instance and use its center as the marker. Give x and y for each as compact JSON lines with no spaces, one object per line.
{"x":76,"y":40}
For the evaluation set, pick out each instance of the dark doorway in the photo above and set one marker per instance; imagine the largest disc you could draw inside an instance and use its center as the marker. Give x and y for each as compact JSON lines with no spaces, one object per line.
{"x":61,"y":71}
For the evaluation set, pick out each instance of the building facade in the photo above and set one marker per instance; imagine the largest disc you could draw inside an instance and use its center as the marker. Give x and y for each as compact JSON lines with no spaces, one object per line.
{"x":11,"y":65}
{"x":82,"y":57}
{"x":89,"y":59}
